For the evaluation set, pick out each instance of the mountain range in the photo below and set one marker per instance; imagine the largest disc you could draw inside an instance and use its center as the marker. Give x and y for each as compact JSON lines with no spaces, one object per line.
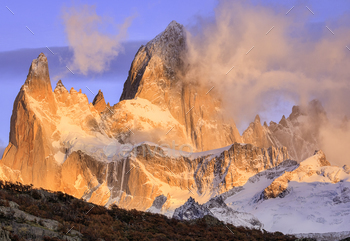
{"x":168,"y":144}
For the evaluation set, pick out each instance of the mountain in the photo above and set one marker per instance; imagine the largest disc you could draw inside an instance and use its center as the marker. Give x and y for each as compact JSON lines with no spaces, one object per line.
{"x":157,"y":75}
{"x":168,"y":143}
{"x":309,"y":197}
{"x":192,"y":210}
{"x":99,"y":102}
{"x":299,"y":132}
{"x":60,"y":141}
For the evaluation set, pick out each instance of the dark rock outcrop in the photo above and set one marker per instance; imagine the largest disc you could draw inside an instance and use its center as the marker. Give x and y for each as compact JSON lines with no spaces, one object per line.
{"x":99,"y":102}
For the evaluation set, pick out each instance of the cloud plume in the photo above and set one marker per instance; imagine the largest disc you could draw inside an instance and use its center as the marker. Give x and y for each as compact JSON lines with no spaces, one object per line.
{"x":95,"y":40}
{"x":276,"y":58}
{"x":335,"y":141}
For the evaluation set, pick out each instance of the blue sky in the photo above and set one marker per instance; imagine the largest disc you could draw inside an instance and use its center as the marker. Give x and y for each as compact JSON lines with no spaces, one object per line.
{"x":44,"y":19}
{"x":18,"y":46}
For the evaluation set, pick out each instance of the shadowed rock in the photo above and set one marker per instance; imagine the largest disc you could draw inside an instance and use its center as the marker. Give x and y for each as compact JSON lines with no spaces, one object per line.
{"x":99,"y":102}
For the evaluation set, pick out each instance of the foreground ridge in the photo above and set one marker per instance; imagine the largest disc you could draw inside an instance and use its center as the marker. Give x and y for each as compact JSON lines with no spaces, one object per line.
{"x":45,"y":215}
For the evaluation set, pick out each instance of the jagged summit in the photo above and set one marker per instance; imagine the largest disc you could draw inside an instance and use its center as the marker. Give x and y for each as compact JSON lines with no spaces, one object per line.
{"x":321,"y":157}
{"x":38,"y":79}
{"x":257,"y":119}
{"x":171,"y":39}
{"x":255,"y":134}
{"x":283,"y":121}
{"x":157,"y":74}
{"x":191,"y":210}
{"x":99,"y":102}
{"x":296,"y":112}
{"x":60,"y":86}
{"x":161,"y":52}
{"x":299,"y":132}
{"x":215,"y":207}
{"x":313,"y":109}
{"x":39,"y":69}
{"x":61,"y":93}
{"x":174,"y":24}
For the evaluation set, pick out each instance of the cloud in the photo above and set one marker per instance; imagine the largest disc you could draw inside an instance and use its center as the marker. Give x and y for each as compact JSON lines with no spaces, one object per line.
{"x":95,"y":40}
{"x":296,"y":61}
{"x":335,"y":142}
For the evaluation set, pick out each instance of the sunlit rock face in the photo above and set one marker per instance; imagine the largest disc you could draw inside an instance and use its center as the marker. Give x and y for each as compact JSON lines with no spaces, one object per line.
{"x":60,"y":141}
{"x":203,"y":175}
{"x":99,"y":102}
{"x":167,"y":140}
{"x":30,"y":145}
{"x":158,"y":75}
{"x":257,"y":134}
{"x":44,"y":125}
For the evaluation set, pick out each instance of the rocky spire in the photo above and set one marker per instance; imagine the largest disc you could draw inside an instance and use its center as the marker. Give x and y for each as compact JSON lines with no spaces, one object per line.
{"x":61,"y":93}
{"x":191,"y":210}
{"x":296,"y":112}
{"x":99,"y":102}
{"x":59,"y":84}
{"x":164,"y":50}
{"x":257,"y":119}
{"x":60,"y":87}
{"x":38,"y":82}
{"x":283,"y":121}
{"x":265,"y":124}
{"x":255,"y":134}
{"x":31,"y":129}
{"x":321,"y":158}
{"x":38,"y":70}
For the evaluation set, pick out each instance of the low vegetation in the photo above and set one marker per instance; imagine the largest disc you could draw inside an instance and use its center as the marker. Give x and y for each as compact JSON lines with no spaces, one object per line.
{"x":86,"y":221}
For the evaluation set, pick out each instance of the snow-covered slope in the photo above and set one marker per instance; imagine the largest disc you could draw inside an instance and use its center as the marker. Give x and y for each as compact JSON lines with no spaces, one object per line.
{"x":312,"y":197}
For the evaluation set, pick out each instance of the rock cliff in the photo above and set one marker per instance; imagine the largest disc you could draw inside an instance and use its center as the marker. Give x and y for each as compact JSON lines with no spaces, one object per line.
{"x":60,"y":141}
{"x":99,"y":102}
{"x":299,"y":132}
{"x":216,"y":207}
{"x":157,"y":74}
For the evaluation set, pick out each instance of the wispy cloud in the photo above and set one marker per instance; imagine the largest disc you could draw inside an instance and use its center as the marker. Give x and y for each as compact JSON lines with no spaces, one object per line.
{"x":297,"y":60}
{"x":95,"y":40}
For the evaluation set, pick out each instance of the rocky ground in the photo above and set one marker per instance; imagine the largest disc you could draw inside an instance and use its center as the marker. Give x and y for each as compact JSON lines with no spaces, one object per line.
{"x":32,"y":214}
